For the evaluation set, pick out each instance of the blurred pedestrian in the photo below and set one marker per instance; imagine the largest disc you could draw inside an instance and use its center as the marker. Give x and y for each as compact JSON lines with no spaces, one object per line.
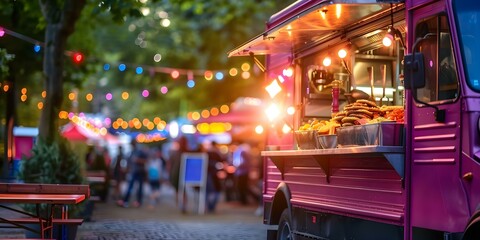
{"x":229,"y":168}
{"x":242,"y":161}
{"x":136,"y":169}
{"x":118,"y":173}
{"x":106,"y":157}
{"x":213,"y":188}
{"x":178,"y":148}
{"x":90,"y":157}
{"x":106,"y":184}
{"x":155,"y":171}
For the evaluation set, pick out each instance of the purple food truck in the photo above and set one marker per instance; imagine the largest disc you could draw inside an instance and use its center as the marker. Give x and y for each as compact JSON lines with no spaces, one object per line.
{"x":415,"y":176}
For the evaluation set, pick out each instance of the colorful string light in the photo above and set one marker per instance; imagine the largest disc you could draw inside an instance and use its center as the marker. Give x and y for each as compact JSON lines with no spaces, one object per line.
{"x":78,"y":58}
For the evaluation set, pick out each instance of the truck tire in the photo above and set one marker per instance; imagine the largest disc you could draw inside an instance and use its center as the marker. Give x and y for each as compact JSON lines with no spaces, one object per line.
{"x":285,"y":231}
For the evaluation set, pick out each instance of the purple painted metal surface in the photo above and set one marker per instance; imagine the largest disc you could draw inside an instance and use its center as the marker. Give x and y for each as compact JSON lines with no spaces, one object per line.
{"x":437,"y":156}
{"x":438,"y":200}
{"x":343,"y":182}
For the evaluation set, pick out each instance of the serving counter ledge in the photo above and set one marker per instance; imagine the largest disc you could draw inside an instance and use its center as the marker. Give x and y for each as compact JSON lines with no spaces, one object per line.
{"x":395,"y":155}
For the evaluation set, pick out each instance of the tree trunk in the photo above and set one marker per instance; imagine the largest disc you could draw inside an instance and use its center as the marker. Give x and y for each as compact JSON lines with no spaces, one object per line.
{"x":61,"y":19}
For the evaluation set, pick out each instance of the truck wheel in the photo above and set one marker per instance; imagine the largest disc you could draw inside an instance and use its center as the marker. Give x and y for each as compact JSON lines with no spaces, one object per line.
{"x":285,"y":226}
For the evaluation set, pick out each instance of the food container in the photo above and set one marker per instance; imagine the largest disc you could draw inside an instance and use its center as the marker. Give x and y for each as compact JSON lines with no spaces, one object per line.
{"x":351,"y":136}
{"x":306,"y":139}
{"x":327,"y":141}
{"x":360,"y":135}
{"x":384,"y":133}
{"x":346,"y":136}
{"x":380,"y":134}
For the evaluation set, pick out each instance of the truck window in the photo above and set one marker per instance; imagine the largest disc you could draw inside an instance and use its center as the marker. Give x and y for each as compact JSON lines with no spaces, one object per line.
{"x":440,"y":70}
{"x":468,"y":18}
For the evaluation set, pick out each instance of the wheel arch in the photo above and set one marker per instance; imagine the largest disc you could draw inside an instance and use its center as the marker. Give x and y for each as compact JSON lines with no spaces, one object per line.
{"x":472,"y":231}
{"x":281,"y":200}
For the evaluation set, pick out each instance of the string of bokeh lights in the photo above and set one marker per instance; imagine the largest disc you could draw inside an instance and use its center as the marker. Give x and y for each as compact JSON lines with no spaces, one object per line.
{"x":134,"y":123}
{"x":156,"y":123}
{"x":175,"y":73}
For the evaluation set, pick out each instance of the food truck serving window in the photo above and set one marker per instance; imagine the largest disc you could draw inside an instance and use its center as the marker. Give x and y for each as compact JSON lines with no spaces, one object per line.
{"x":440,"y":70}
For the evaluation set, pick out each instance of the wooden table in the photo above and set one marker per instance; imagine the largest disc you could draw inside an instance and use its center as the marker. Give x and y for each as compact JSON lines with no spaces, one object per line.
{"x":54,"y":195}
{"x":64,"y":199}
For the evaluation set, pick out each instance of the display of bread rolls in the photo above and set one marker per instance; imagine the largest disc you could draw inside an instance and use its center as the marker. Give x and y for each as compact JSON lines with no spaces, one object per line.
{"x":360,"y":112}
{"x":364,"y":111}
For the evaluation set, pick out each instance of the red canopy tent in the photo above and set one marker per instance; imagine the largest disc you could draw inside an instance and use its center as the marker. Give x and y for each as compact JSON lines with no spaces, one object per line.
{"x":73,"y":132}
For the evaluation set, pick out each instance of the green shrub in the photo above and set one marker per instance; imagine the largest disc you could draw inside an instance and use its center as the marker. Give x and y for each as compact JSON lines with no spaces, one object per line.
{"x":54,"y":163}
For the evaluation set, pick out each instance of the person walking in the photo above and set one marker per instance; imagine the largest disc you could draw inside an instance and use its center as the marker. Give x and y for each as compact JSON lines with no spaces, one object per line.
{"x":242,"y":161}
{"x":213,"y":187}
{"x":155,"y":171}
{"x":178,"y":148}
{"x":136,"y":168}
{"x":118,"y":173}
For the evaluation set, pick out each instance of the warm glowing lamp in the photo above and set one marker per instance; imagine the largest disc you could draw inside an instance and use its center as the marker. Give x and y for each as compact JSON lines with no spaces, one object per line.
{"x":342,"y":53}
{"x":273,"y":88}
{"x":259,"y":129}
{"x":291,"y":110}
{"x":327,"y":61}
{"x":286,"y":129}
{"x":272,"y":112}
{"x":388,"y":39}
{"x":288,"y":72}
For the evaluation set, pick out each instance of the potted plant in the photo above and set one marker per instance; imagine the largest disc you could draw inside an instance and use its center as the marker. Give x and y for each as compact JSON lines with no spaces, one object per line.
{"x":53,"y":163}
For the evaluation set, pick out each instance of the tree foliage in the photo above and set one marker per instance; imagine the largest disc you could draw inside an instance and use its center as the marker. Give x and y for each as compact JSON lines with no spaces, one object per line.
{"x":200,"y":34}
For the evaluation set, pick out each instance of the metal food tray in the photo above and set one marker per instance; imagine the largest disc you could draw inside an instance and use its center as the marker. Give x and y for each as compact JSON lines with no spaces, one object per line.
{"x":379,"y":134}
{"x":306,"y":139}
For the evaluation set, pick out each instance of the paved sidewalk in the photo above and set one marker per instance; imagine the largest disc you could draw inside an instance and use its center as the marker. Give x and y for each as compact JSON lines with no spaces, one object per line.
{"x":165,"y":221}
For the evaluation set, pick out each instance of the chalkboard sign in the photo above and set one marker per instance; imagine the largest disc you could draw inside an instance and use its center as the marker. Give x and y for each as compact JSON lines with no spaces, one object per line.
{"x":194,"y":170}
{"x":193,"y":173}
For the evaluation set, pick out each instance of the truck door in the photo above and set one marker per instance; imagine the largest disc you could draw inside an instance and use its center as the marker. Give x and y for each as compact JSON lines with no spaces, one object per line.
{"x":437,"y":199}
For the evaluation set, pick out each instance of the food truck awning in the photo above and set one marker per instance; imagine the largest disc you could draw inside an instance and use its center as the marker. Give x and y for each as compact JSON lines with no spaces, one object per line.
{"x":306,"y":23}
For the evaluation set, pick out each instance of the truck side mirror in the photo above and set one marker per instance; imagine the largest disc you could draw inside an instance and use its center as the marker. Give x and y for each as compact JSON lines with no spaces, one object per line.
{"x":414,"y":71}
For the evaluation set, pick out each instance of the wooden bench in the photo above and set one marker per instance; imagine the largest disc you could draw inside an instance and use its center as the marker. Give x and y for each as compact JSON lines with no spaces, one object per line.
{"x":75,"y":193}
{"x":45,"y":188}
{"x":69,"y":221}
{"x":28,"y":239}
{"x":59,"y":222}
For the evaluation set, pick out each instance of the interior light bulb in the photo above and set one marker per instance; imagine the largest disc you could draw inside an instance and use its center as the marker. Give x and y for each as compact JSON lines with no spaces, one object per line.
{"x":327,"y":61}
{"x":342,"y":53}
{"x":388,"y":39}
{"x":288,"y":72}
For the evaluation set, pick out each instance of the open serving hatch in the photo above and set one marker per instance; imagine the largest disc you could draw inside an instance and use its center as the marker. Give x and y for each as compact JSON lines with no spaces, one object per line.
{"x":307,"y":23}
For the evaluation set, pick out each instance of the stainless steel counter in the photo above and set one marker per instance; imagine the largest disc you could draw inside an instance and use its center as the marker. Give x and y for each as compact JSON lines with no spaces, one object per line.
{"x":335,"y":151}
{"x":395,"y":155}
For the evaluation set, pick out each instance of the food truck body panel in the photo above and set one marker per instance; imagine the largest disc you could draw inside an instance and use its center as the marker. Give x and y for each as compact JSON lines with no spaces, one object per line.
{"x":426,"y":184}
